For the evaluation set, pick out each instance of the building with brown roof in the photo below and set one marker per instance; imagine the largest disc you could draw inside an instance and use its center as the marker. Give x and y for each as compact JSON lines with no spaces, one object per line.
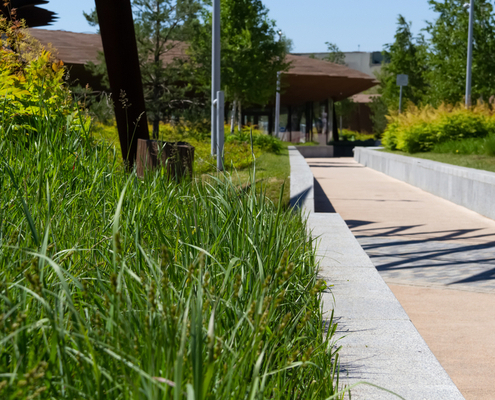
{"x":310,"y":87}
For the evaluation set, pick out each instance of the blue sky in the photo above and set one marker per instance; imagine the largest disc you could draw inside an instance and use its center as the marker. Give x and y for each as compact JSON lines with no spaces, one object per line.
{"x":309,"y":23}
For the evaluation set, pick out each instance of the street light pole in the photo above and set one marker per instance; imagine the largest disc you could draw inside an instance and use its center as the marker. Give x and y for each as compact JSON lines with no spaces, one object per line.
{"x":215,"y":73}
{"x":277,"y":99}
{"x":470,"y":54}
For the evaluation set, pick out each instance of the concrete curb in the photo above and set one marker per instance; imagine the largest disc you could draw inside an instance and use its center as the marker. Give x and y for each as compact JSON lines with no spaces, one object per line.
{"x":380,"y":345}
{"x":467,"y":187}
{"x":302,"y":194}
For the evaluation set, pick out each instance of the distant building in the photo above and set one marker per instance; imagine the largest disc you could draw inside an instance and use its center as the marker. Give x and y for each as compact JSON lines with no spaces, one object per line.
{"x":367,"y":63}
{"x":309,"y":87}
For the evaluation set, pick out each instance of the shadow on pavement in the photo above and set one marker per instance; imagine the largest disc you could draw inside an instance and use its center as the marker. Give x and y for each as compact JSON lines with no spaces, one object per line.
{"x":322,"y":203}
{"x":439,"y":259}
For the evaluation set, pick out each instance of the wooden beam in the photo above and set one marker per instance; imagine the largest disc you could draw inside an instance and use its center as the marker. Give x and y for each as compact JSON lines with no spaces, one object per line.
{"x":121,"y":56}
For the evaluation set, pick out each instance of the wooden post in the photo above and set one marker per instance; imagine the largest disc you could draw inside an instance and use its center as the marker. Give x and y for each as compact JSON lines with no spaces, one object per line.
{"x":177,"y":158}
{"x":121,"y":56}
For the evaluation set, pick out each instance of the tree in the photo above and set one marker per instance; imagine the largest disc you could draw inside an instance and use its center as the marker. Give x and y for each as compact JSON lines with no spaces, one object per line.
{"x":448,"y":51}
{"x":251,"y":52}
{"x":335,"y":55}
{"x":407,"y":56}
{"x":161,"y":26}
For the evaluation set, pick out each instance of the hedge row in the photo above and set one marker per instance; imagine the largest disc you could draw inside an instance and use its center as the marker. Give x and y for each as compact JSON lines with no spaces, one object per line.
{"x":420,"y":129}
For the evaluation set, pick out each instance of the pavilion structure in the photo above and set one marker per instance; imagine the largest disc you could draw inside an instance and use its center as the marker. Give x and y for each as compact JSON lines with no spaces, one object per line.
{"x":309,"y":88}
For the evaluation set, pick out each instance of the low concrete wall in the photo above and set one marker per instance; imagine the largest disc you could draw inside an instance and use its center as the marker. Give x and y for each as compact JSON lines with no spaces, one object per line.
{"x":471,"y":188}
{"x":380,"y":345}
{"x":302,"y":193}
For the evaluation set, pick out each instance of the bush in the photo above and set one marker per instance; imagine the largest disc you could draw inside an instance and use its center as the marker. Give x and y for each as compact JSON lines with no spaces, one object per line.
{"x":352,"y":136}
{"x":264,"y":142}
{"x":420,"y":129}
{"x":238,"y":154}
{"x":32,"y":91}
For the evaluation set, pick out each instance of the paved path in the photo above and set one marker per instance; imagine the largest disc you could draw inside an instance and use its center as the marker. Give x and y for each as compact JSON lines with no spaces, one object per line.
{"x":437,"y":257}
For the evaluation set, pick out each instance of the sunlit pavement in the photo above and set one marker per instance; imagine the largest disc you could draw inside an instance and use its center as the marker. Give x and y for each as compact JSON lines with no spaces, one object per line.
{"x":437,"y":257}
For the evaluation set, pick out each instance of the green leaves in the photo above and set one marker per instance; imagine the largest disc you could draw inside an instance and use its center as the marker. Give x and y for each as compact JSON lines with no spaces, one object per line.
{"x":421,"y":129}
{"x":31,"y":85}
{"x":251,"y":52}
{"x":436,"y":65}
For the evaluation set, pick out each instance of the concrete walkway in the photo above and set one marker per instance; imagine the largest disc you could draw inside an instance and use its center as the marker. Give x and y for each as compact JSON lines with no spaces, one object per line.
{"x":438,"y":258}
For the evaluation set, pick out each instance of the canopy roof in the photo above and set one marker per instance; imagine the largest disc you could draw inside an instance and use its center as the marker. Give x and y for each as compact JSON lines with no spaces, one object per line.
{"x":80,"y":48}
{"x":307,"y":79}
{"x":27,"y":10}
{"x":310,"y":79}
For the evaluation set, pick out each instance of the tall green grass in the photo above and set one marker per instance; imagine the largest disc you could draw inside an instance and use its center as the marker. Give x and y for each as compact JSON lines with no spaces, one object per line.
{"x":113,"y":287}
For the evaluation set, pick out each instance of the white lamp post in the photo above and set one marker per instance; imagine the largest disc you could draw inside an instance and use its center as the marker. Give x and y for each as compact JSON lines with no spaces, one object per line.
{"x":470,"y":6}
{"x":215,"y":72}
{"x":217,"y":97}
{"x":277,"y":99}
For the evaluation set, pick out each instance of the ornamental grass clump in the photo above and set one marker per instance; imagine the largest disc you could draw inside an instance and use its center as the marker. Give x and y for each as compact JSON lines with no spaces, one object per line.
{"x":117,"y":287}
{"x":124,"y":288}
{"x":421,"y":129}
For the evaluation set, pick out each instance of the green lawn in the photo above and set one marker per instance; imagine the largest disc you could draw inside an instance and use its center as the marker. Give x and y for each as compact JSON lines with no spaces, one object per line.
{"x":272,"y":170}
{"x":482,"y":162}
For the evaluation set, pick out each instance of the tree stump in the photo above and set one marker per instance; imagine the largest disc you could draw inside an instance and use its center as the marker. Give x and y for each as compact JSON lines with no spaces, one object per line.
{"x":176,"y":157}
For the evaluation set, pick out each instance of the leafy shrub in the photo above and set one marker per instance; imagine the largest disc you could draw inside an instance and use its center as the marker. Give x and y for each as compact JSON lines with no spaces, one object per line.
{"x":264,"y":142}
{"x":32,"y":86}
{"x":420,"y":129}
{"x":352,"y":136}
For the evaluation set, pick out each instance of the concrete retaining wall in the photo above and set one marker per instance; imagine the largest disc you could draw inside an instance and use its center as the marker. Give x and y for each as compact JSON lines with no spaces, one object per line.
{"x":471,"y":188}
{"x":302,"y":193}
{"x":380,"y":345}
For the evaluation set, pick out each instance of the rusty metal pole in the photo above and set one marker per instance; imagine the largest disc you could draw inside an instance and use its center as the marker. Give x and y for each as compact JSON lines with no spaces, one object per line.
{"x":121,"y":56}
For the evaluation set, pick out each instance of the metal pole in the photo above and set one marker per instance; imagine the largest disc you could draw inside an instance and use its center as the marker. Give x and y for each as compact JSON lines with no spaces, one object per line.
{"x":232,"y":120}
{"x":215,"y":72}
{"x":220,"y":128}
{"x":400,"y":100}
{"x":277,"y":107}
{"x":470,"y":54}
{"x":277,"y":98}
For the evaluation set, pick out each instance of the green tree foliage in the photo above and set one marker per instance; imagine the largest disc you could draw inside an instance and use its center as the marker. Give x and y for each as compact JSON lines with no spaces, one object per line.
{"x":252,"y":53}
{"x":379,"y":112}
{"x":437,"y":66}
{"x":162,"y":26}
{"x":407,"y":56}
{"x":335,"y":55}
{"x":448,"y":50}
